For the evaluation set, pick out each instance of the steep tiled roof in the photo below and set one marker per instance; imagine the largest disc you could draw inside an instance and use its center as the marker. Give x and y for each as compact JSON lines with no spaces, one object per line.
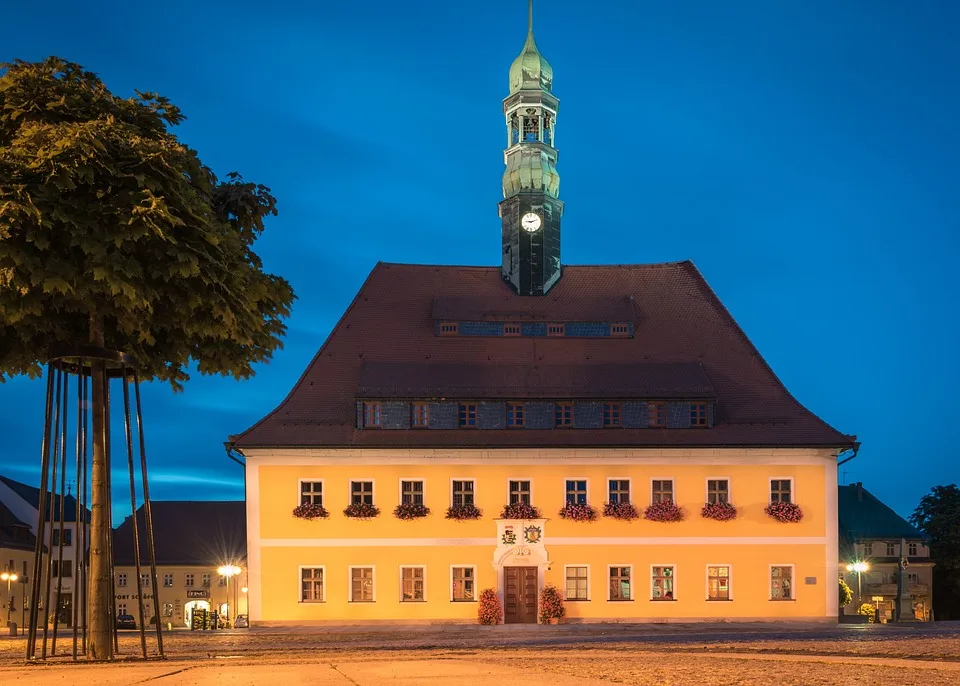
{"x":14,"y":533}
{"x":862,"y":516}
{"x":187,"y":532}
{"x":31,"y":495}
{"x":676,"y":317}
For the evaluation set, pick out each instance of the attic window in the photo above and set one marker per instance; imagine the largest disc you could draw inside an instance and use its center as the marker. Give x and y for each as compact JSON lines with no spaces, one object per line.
{"x":698,"y":414}
{"x":371,"y":415}
{"x":556,"y":329}
{"x":449,"y":328}
{"x":512,"y":329}
{"x":620,"y":329}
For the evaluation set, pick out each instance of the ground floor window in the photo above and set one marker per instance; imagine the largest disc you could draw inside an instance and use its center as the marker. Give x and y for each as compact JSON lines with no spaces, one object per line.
{"x":718,"y":583}
{"x":662,"y":579}
{"x":577,"y":583}
{"x":311,"y":585}
{"x":412,"y":584}
{"x":620,"y":583}
{"x":361,"y":584}
{"x":464,"y":579}
{"x":781,"y":582}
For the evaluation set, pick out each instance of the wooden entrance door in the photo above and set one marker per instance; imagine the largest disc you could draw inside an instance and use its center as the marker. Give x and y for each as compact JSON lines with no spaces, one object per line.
{"x":520,"y":595}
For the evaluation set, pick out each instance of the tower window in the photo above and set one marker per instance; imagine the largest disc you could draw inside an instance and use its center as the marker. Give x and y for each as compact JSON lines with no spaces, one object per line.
{"x":620,"y":329}
{"x":514,"y":130}
{"x":448,"y":328}
{"x":556,"y":329}
{"x":547,"y":129}
{"x":512,"y":330}
{"x":531,"y":129}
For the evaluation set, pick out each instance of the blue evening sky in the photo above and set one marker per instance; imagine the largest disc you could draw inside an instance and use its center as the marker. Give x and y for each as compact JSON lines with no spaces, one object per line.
{"x":802,"y":153}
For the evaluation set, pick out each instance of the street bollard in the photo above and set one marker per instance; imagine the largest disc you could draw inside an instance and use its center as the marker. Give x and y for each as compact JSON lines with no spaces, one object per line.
{"x":13,"y":628}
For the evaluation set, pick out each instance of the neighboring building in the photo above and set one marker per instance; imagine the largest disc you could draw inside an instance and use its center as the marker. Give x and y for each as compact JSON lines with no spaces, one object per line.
{"x":873,"y":533}
{"x":192,"y":539}
{"x":17,"y":549}
{"x":22,"y":501}
{"x":532,"y":384}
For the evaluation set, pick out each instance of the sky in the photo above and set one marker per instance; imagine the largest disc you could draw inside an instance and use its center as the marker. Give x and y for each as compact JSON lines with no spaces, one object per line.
{"x":802,"y":153}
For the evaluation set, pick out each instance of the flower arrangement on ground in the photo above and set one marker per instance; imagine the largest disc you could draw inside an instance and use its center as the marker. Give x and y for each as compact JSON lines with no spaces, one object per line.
{"x":578,"y":512}
{"x":551,"y":605}
{"x":520,"y":511}
{"x":622,"y":511}
{"x":785,"y":512}
{"x":664,"y":511}
{"x":464,"y":512}
{"x":489,"y":610}
{"x":361,"y":511}
{"x":411,"y":511}
{"x":310,"y":511}
{"x":722,"y":512}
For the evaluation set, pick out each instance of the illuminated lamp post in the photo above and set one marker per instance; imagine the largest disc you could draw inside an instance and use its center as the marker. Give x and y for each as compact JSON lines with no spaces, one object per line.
{"x":228,"y":571}
{"x":9,"y":577}
{"x":246,"y":600}
{"x":859,"y":568}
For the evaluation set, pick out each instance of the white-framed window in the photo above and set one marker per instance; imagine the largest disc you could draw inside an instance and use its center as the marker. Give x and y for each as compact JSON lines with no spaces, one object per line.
{"x":520,"y":491}
{"x":463,"y":583}
{"x":719,"y":582}
{"x":781,"y":582}
{"x":311,"y":492}
{"x":575,"y":492}
{"x":221,"y":580}
{"x":168,"y":609}
{"x":867,"y":549}
{"x":577,"y":582}
{"x":188,"y":580}
{"x":781,"y":489}
{"x":121,"y":609}
{"x":463,"y":492}
{"x":65,"y":570}
{"x":912,"y":549}
{"x":205,"y":580}
{"x":891,"y":549}
{"x":144,"y":581}
{"x":361,"y":492}
{"x":618,"y":490}
{"x":313,"y":584}
{"x":362,"y":584}
{"x":621,"y":582}
{"x":411,"y":491}
{"x":718,"y":490}
{"x":661,"y":490}
{"x":67,"y":538}
{"x":168,"y":580}
{"x":121,"y":579}
{"x":413,"y":584}
{"x":663,"y":582}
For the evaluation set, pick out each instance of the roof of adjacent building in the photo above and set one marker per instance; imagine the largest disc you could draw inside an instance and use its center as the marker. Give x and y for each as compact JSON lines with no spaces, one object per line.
{"x":13,"y":532}
{"x":685,"y":342}
{"x":187,"y":532}
{"x":863,"y":517}
{"x":31,"y":494}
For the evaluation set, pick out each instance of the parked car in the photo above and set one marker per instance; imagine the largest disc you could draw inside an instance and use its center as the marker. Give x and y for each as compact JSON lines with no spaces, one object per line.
{"x":241,"y":622}
{"x":126,"y":622}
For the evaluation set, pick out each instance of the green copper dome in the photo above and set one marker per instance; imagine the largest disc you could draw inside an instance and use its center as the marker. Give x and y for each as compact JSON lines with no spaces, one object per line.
{"x":530,"y":69}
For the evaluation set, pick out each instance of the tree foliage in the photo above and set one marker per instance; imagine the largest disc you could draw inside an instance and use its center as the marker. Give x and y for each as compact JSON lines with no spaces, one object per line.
{"x":846,"y":593}
{"x":106,"y":219}
{"x":938,"y":516}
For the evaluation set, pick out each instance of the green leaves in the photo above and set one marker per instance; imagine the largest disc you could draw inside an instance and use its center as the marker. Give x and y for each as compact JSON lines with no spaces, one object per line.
{"x":105,"y":215}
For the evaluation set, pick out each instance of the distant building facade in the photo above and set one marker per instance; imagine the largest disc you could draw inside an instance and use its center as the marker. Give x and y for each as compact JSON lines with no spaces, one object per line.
{"x":192,"y":539}
{"x":895,"y":551}
{"x":17,"y":548}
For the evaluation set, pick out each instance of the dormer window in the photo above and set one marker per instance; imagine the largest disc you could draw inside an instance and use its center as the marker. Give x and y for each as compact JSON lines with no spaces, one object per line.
{"x":698,"y":414}
{"x":656,"y":414}
{"x":556,"y":329}
{"x":371,"y":415}
{"x":512,"y":329}
{"x":620,"y":329}
{"x":449,"y":328}
{"x":611,"y":415}
{"x":515,"y":415}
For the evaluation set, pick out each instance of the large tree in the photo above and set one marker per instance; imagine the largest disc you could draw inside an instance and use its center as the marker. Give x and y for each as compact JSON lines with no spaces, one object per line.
{"x":938,"y":516}
{"x":114,"y":233}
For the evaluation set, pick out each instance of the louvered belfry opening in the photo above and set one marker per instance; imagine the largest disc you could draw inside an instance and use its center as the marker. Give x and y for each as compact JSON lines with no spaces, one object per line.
{"x":59,"y":620}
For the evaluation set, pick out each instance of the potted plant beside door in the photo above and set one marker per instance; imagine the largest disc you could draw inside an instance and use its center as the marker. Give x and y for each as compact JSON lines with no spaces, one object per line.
{"x":552,"y":610}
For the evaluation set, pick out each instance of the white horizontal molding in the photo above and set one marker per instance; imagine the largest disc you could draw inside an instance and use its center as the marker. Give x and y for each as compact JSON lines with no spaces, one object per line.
{"x":558,"y":541}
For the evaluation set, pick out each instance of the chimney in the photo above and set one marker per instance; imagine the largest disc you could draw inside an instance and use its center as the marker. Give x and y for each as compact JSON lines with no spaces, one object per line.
{"x":859,"y":491}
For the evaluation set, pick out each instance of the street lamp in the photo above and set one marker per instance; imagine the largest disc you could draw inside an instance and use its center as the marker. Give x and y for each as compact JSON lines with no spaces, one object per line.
{"x":859,"y":568}
{"x":9,"y":577}
{"x":246,"y":599}
{"x":228,"y":571}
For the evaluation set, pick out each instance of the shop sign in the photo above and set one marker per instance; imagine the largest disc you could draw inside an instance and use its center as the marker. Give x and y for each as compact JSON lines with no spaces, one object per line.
{"x":198,"y":593}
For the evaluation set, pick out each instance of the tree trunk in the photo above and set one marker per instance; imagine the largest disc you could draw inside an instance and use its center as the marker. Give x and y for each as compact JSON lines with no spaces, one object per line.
{"x":101,"y":581}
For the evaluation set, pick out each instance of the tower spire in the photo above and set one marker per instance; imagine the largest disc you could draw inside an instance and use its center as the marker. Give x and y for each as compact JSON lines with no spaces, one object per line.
{"x":530,"y":16}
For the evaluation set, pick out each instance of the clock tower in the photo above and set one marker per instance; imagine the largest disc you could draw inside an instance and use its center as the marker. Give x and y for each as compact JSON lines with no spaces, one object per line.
{"x":531,"y":209}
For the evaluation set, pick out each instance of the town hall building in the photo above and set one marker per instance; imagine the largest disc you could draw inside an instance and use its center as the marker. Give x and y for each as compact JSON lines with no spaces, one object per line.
{"x":609,"y":430}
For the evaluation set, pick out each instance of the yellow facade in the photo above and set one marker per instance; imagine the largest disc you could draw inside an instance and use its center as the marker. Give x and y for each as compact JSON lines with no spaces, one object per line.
{"x":280,"y":545}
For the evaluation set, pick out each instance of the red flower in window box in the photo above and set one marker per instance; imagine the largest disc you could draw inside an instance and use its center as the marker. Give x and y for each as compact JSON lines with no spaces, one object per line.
{"x":578,"y":512}
{"x":361,"y":511}
{"x":411,"y":511}
{"x":722,"y":512}
{"x":788,"y":513}
{"x":520,"y":511}
{"x":622,"y":511}
{"x":489,"y":610}
{"x":310,"y":511}
{"x":464,"y":512}
{"x":664,"y":511}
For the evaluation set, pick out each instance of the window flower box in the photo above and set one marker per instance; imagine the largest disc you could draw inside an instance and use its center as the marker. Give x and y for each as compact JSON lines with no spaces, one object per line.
{"x":664,"y":511}
{"x":722,"y":512}
{"x":361,"y":511}
{"x":409,"y":511}
{"x":464,"y":512}
{"x":520,"y":511}
{"x":622,"y":511}
{"x":788,"y":513}
{"x":578,"y":512}
{"x":310,"y":511}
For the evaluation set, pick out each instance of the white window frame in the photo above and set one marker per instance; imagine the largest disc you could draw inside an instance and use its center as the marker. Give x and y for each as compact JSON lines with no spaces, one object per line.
{"x":589,"y":583}
{"x":672,"y":565}
{"x":323,"y":488}
{"x":519,"y":478}
{"x":916,"y":549}
{"x":167,"y":576}
{"x":888,"y":545}
{"x":373,"y":581}
{"x":400,"y":487}
{"x":474,"y":480}
{"x":400,"y":579}
{"x":633,"y":584}
{"x":706,"y":581}
{"x":673,"y":487}
{"x":706,"y":489}
{"x":323,"y":594}
{"x":121,"y":579}
{"x":373,"y":489}
{"x":793,"y":582}
{"x":476,"y":590}
{"x":628,"y":479}
{"x":565,"y":480}
{"x":793,"y":487}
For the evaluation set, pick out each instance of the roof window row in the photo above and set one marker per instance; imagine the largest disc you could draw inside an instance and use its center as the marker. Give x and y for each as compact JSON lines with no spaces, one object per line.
{"x":622,"y":329}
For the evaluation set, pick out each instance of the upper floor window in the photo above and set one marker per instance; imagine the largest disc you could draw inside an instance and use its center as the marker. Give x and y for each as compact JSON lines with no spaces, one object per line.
{"x":867,"y":549}
{"x":311,"y":493}
{"x":611,"y":414}
{"x":168,"y":580}
{"x":698,"y":414}
{"x":718,"y":491}
{"x":519,"y":492}
{"x":891,"y":549}
{"x":781,"y":491}
{"x":463,"y":491}
{"x":67,"y":537}
{"x":913,"y":578}
{"x":221,"y":581}
{"x":576,"y":493}
{"x":656,"y":414}
{"x":556,"y":329}
{"x":420,"y":415}
{"x":371,"y":415}
{"x":563,"y":415}
{"x":411,"y":492}
{"x":512,"y":329}
{"x":361,"y":492}
{"x":66,"y":570}
{"x":205,"y":580}
{"x":619,"y":491}
{"x":121,"y":579}
{"x":514,"y":415}
{"x":662,"y":491}
{"x":188,"y":580}
{"x":449,"y":328}
{"x":468,"y":415}
{"x":912,"y":549}
{"x":620,"y":329}
{"x":144,"y":580}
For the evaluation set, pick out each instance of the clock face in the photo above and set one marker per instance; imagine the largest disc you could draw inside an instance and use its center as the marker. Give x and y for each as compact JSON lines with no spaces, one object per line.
{"x":530,"y":222}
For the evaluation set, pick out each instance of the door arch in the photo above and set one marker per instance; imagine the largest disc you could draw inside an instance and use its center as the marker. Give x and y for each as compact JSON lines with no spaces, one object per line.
{"x":192,"y":607}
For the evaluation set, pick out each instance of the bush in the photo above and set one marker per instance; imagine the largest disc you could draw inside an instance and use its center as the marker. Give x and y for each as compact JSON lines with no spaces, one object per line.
{"x":489,"y":610}
{"x":551,"y":604}
{"x":869,"y":610}
{"x":846,"y":594}
{"x":411,"y":511}
{"x":310,"y":511}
